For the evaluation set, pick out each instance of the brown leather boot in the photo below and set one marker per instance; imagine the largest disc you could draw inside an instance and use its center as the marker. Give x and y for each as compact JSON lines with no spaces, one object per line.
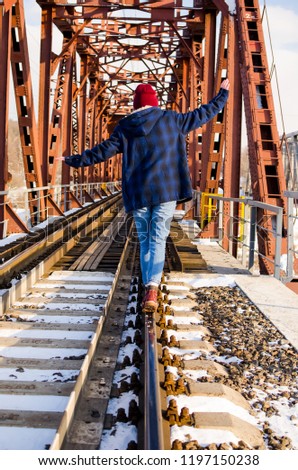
{"x":150,"y":300}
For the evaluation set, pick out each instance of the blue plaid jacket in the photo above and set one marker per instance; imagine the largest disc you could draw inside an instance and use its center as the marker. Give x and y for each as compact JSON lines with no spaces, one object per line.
{"x":154,"y":162}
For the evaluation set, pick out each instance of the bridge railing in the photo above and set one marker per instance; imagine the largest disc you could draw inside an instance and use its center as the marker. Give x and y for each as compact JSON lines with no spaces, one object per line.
{"x":292,"y":235}
{"x":235,"y":222}
{"x":246,"y":219}
{"x":37,"y":205}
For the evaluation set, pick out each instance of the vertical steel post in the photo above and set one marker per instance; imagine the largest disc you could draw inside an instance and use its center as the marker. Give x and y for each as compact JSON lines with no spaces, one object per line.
{"x":252,"y":237}
{"x":213,"y":137}
{"x":266,"y":166}
{"x":233,"y":117}
{"x":22,"y":80}
{"x":82,"y":103}
{"x":231,"y":228}
{"x":245,"y":235}
{"x":208,"y":87}
{"x":290,"y":238}
{"x":278,"y":241}
{"x":60,"y":115}
{"x":198,"y":204}
{"x":5,"y":25}
{"x":44,"y":89}
{"x":220,"y":222}
{"x":66,"y":118}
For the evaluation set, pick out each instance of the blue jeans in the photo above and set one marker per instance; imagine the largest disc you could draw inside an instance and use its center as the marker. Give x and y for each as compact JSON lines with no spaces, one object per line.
{"x":153,"y":227}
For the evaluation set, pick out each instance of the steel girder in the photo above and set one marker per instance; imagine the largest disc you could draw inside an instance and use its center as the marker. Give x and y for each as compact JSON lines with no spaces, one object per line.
{"x":265,"y":156}
{"x":121,"y":44}
{"x":9,"y":221}
{"x":117,"y":44}
{"x":20,"y":65}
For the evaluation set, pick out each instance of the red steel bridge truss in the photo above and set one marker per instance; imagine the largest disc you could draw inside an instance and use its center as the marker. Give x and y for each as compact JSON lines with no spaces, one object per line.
{"x":184,"y":48}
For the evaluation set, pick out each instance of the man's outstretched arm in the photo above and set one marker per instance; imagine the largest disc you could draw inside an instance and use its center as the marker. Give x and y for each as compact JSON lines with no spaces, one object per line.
{"x":195,"y":119}
{"x":98,"y":154}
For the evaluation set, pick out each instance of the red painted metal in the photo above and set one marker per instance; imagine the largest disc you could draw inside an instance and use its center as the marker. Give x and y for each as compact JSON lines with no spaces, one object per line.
{"x":9,"y":220}
{"x":265,"y":157}
{"x":26,"y":114}
{"x":233,"y":118}
{"x":59,"y":142}
{"x":113,"y":46}
{"x":44,"y":89}
{"x":222,"y":6}
{"x":8,"y":4}
{"x":214,"y":136}
{"x":5,"y":25}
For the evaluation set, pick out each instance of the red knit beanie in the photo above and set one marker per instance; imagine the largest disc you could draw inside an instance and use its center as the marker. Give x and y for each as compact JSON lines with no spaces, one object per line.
{"x":145,"y":95}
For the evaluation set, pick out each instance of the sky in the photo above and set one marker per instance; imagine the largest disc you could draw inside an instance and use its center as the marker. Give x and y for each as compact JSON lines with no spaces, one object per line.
{"x":284,"y":41}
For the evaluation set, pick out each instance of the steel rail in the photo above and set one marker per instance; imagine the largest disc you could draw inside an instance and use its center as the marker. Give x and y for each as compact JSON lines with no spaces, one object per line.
{"x":153,"y":433}
{"x":75,"y":223}
{"x":17,"y":290}
{"x":69,"y":414}
{"x":28,"y":281}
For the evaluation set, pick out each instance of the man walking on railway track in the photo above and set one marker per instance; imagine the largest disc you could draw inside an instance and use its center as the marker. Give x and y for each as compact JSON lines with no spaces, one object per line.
{"x":155,"y":173}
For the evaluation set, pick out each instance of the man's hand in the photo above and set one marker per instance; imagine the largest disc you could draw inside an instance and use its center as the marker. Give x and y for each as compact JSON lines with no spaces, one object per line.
{"x":60,"y":159}
{"x":225,"y":84}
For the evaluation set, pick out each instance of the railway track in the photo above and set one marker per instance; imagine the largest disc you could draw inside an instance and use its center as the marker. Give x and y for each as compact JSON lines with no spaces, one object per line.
{"x":224,"y":375}
{"x":20,"y":256}
{"x":46,"y":342}
{"x":76,"y":356}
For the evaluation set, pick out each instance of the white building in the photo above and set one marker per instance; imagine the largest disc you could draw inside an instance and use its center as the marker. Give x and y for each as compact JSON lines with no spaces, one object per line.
{"x":290,"y":157}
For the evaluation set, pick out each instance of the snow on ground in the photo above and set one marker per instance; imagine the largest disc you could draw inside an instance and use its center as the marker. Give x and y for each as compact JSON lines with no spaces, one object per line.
{"x":12,"y":238}
{"x":34,"y":402}
{"x":212,"y":405}
{"x":126,"y":398}
{"x":46,"y":223}
{"x":40,"y":353}
{"x":203,"y":436}
{"x":12,"y":438}
{"x":65,"y":295}
{"x":58,"y":306}
{"x":72,"y":287}
{"x":284,"y":423}
{"x":37,"y":375}
{"x":46,"y":334}
{"x":124,"y":374}
{"x":128,"y":350}
{"x":185,"y":320}
{"x":124,"y":433}
{"x":94,"y":276}
{"x":33,"y":317}
{"x":195,"y":375}
{"x":186,"y":335}
{"x":223,"y":281}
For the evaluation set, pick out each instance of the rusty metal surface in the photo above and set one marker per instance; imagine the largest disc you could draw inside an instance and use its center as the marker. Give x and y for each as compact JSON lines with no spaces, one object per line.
{"x":265,"y":157}
{"x":108,"y":48}
{"x":22,"y":80}
{"x":114,"y":46}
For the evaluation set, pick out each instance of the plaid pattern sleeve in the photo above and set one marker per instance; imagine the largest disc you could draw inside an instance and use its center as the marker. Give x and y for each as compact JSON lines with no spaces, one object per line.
{"x":98,"y":154}
{"x":197,"y":118}
{"x":154,"y":157}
